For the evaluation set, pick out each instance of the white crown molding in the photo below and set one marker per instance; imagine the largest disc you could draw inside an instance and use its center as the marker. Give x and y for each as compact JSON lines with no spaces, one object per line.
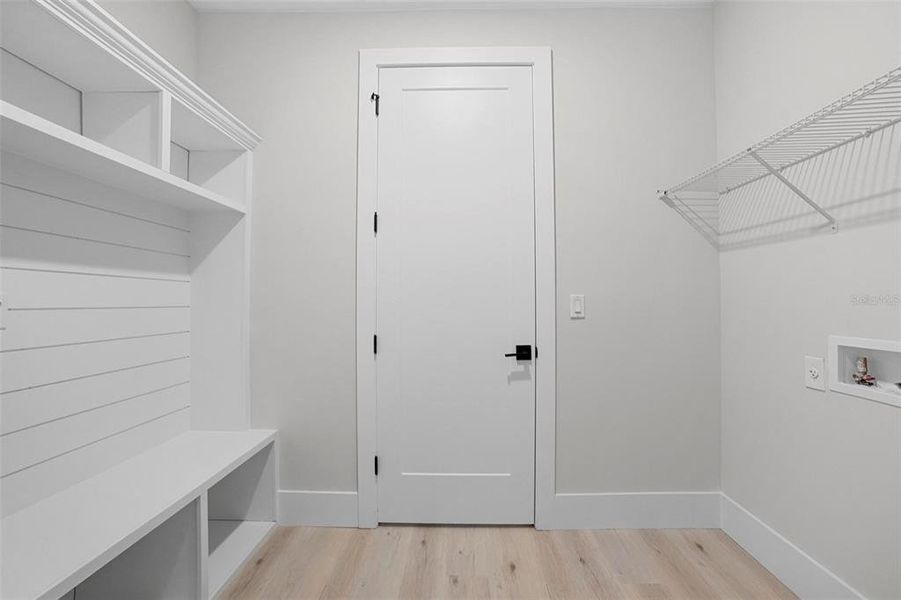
{"x":325,"y":6}
{"x":97,"y":25}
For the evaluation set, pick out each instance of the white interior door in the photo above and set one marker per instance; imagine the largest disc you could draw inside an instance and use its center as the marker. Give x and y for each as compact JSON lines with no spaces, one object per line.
{"x":456,"y":292}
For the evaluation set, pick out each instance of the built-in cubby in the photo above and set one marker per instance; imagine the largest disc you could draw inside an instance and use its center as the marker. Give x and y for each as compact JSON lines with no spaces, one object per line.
{"x":165,"y":563}
{"x":125,"y":121}
{"x":128,"y":122}
{"x":129,"y":466}
{"x":880,"y":359}
{"x":54,"y":75}
{"x":241,"y":514}
{"x":204,"y":155}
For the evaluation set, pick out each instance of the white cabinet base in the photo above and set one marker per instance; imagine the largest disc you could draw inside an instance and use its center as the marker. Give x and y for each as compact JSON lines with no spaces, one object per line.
{"x":231,"y":544}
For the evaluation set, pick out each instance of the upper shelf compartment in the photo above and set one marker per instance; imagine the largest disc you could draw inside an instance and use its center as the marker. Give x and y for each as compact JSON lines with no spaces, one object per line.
{"x":206,"y":155}
{"x":36,"y":138}
{"x":108,"y":107}
{"x":840,"y":164}
{"x":34,"y":31}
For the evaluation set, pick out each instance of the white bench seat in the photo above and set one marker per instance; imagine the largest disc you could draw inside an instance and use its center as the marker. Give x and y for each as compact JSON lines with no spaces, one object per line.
{"x":53,"y":545}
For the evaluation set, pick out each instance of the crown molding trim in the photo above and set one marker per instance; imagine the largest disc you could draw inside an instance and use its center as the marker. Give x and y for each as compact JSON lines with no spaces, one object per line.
{"x":351,"y":6}
{"x":94,"y":23}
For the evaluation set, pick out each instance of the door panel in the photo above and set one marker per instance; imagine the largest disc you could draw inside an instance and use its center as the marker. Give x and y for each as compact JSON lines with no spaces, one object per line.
{"x":456,"y":291}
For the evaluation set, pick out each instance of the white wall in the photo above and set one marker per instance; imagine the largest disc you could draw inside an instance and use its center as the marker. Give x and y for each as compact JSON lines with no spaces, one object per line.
{"x":167,"y":26}
{"x":823,"y":469}
{"x":638,"y":392}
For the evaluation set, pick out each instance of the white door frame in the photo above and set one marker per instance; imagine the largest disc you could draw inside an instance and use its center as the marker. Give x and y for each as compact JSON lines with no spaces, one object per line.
{"x":539,"y":59}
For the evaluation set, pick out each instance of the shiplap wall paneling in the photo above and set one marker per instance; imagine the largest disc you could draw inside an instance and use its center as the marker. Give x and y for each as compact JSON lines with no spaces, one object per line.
{"x":31,"y":485}
{"x":96,"y":346}
{"x":46,"y":404}
{"x":101,"y":201}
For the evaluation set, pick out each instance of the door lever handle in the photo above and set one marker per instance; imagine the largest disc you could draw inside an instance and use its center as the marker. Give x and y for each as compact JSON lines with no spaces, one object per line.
{"x":523,"y":352}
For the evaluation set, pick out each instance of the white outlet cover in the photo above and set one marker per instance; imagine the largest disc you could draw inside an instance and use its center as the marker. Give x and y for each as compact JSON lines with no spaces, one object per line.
{"x":815,"y":373}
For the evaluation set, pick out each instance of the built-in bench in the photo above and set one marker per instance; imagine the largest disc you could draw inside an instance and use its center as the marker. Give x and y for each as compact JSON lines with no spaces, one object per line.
{"x":82,"y":537}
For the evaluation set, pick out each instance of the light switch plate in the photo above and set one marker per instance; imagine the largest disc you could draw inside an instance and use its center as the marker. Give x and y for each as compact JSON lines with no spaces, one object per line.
{"x":577,"y":306}
{"x":815,"y":373}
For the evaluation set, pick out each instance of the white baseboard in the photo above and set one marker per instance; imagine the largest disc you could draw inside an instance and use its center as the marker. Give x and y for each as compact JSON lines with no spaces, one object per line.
{"x":640,"y":510}
{"x":795,"y":568}
{"x":327,"y":509}
{"x":643,"y":510}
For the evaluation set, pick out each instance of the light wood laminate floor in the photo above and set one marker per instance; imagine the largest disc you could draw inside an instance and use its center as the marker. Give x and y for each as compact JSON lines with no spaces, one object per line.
{"x":502,"y":562}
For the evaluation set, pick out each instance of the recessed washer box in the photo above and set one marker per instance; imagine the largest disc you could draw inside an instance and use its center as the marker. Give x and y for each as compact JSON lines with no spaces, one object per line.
{"x":883,"y":361}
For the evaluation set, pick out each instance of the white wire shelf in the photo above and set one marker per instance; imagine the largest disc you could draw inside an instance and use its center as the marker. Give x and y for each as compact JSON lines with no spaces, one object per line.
{"x":770,"y":187}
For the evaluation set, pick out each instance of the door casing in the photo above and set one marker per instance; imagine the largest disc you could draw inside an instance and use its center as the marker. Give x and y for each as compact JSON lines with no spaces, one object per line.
{"x":539,"y":60}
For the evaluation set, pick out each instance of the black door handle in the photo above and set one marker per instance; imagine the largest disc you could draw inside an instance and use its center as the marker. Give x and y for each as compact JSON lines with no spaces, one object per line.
{"x":523,"y":352}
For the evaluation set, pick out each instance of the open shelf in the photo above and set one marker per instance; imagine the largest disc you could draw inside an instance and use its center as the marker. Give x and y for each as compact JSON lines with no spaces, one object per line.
{"x":73,"y":64}
{"x":241,"y":514}
{"x":231,"y":543}
{"x":722,"y":202}
{"x":28,"y":135}
{"x":206,"y":155}
{"x":81,"y":45}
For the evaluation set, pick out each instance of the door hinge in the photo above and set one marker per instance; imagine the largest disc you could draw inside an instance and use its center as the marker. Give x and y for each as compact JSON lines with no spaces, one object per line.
{"x":536,"y":351}
{"x":375,"y":98}
{"x":376,"y":466}
{"x":375,"y":222}
{"x":375,"y":344}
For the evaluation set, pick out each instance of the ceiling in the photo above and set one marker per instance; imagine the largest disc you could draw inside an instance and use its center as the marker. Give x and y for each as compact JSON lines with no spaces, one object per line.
{"x":417,"y":5}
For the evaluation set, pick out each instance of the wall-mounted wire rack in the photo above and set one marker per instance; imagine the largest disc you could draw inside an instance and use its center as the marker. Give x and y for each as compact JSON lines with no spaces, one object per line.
{"x":724,"y":202}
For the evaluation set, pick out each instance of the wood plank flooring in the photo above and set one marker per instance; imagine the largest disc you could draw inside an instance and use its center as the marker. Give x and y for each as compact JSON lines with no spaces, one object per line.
{"x":502,"y":562}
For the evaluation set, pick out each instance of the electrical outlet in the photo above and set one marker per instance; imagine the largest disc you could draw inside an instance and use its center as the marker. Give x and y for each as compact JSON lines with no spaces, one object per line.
{"x":815,"y":373}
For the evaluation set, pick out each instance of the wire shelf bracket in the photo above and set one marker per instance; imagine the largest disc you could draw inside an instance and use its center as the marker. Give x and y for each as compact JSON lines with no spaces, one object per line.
{"x":706,"y":201}
{"x":829,"y":218}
